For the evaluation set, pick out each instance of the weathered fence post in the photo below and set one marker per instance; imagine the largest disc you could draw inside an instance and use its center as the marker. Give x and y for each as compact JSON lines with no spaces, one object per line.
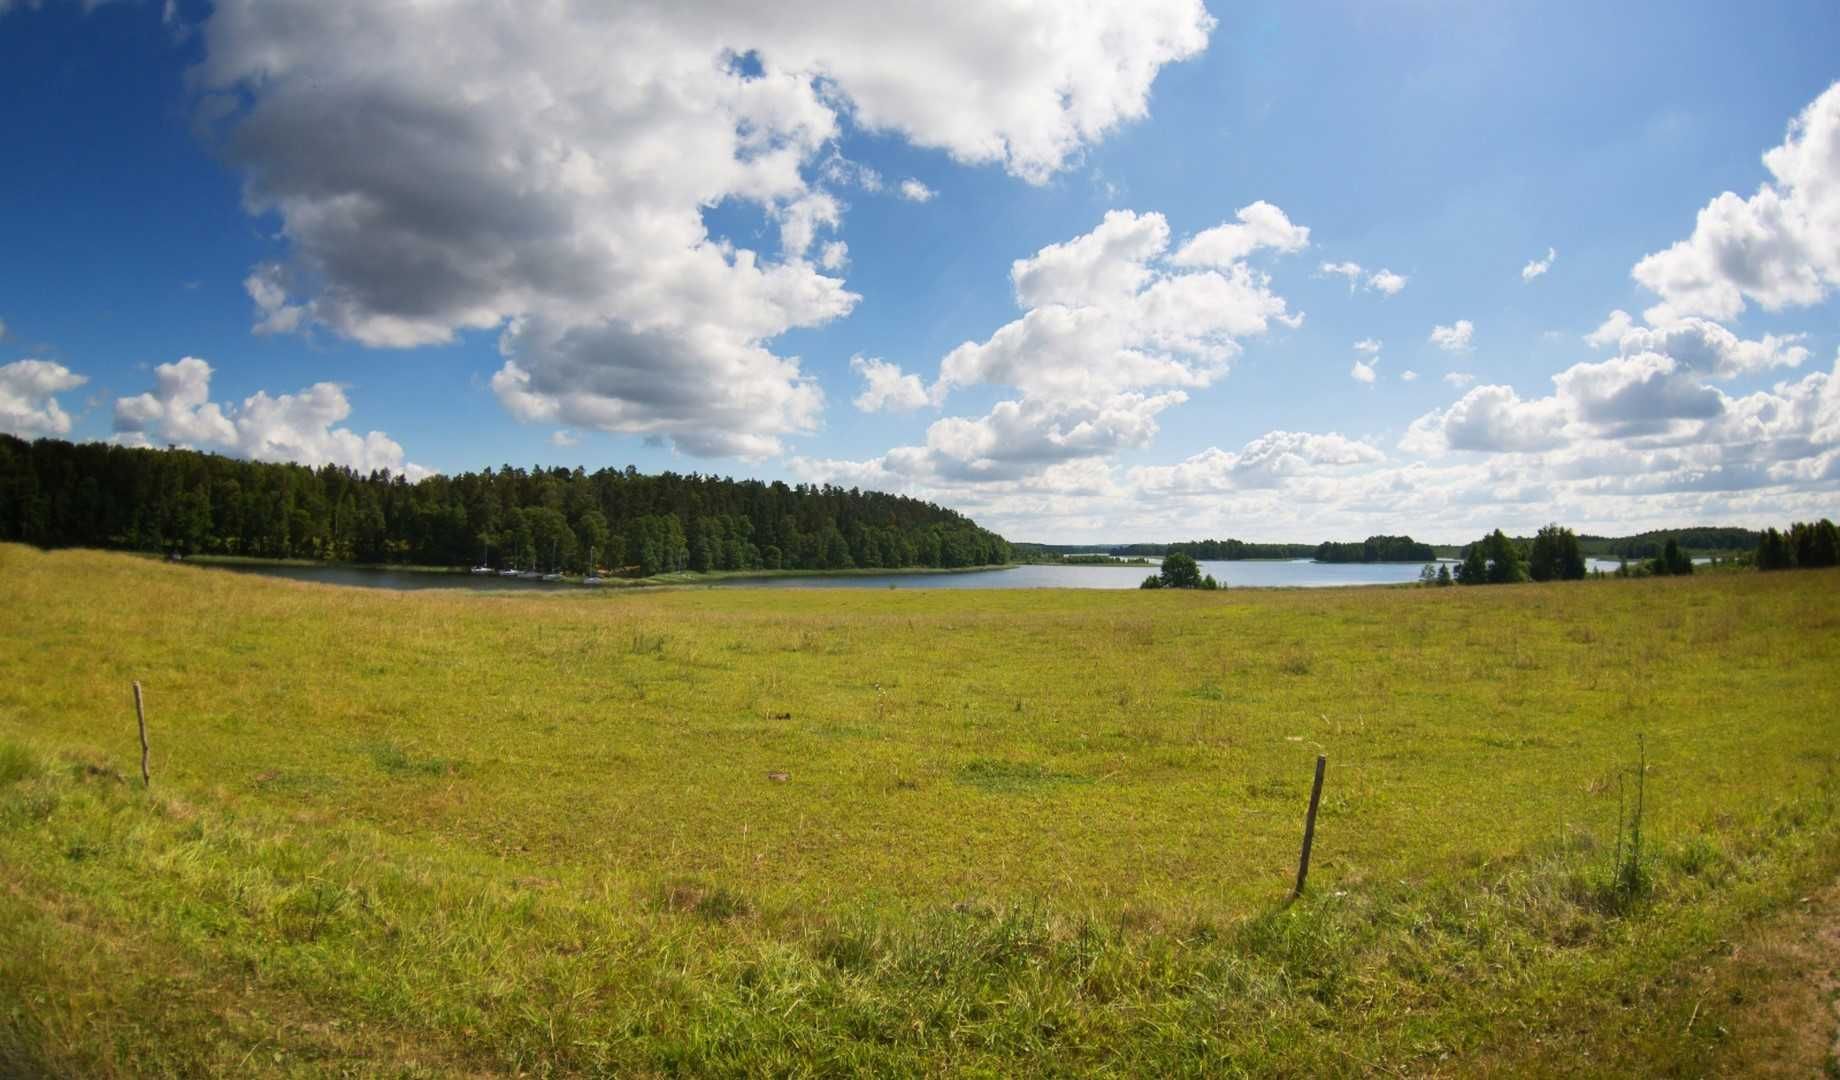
{"x":140,"y":716}
{"x":1309,"y":825}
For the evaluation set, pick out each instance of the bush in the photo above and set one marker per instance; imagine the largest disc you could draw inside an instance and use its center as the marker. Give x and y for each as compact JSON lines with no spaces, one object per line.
{"x":1181,"y":571}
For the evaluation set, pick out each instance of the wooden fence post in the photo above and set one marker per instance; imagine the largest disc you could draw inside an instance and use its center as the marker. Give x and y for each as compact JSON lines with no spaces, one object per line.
{"x":140,"y":716}
{"x":1309,"y":825}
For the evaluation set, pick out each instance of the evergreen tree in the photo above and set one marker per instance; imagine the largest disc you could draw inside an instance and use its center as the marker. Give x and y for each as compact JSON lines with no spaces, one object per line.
{"x":1555,"y":555}
{"x":1474,"y":569}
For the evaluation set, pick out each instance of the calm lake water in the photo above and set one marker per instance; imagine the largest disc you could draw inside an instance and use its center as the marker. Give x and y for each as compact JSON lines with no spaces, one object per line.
{"x":1244,"y":574}
{"x":1247,"y":574}
{"x":391,"y":579}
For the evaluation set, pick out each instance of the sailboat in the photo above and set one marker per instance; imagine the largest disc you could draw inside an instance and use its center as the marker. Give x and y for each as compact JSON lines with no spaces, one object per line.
{"x":555,"y":569}
{"x":485,"y":561}
{"x":592,"y":576}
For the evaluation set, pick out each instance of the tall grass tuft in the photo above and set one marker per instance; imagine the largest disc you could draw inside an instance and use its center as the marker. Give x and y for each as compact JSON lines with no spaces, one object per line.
{"x":16,"y":763}
{"x":1630,"y":879}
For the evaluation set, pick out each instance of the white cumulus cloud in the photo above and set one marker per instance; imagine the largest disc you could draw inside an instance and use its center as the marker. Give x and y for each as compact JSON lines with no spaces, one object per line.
{"x":1260,"y":225}
{"x":914,"y":191}
{"x":28,"y":404}
{"x":284,"y":427}
{"x":887,"y":388}
{"x":1611,"y":330}
{"x":1114,"y":331}
{"x":1778,"y":248}
{"x":1106,"y":312}
{"x":549,"y":166}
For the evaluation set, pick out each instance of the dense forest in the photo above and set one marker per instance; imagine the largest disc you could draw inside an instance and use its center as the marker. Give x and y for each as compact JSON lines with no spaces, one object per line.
{"x":1373,"y":549}
{"x":1704,"y":539}
{"x":1235,"y":550}
{"x":60,"y":494}
{"x":1376,"y":549}
{"x":1203,"y":550}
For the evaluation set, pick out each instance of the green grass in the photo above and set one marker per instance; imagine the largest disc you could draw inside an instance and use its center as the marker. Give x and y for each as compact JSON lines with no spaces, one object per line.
{"x":914,"y":831}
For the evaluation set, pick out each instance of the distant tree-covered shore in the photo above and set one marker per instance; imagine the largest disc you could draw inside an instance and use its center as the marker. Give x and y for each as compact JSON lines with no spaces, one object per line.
{"x":61,"y":494}
{"x":1373,"y":549}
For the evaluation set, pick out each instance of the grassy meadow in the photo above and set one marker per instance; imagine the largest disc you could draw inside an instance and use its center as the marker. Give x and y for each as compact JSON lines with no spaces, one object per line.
{"x":690,"y":832}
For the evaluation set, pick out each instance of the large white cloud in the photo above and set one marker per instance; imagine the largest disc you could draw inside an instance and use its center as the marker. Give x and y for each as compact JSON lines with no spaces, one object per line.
{"x":472,"y":164}
{"x":284,"y":427}
{"x":1658,"y":383}
{"x":1778,"y":248}
{"x":1107,"y":312}
{"x":1711,"y":349}
{"x":28,"y":404}
{"x":1115,"y":331}
{"x":1490,"y":419}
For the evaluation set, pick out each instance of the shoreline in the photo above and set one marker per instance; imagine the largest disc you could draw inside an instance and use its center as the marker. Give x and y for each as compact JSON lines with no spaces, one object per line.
{"x":669,"y":578}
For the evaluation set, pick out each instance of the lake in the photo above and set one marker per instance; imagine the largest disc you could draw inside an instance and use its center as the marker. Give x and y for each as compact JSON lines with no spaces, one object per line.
{"x":389,"y":579}
{"x":1259,"y":573}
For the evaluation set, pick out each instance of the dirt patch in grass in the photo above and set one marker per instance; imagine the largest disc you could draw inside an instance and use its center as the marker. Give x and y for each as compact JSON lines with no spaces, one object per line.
{"x":1780,"y":994}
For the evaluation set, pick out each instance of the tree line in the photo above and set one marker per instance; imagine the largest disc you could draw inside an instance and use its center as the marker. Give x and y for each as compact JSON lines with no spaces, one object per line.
{"x":60,"y":494}
{"x":1375,"y":549}
{"x":1807,"y":544}
{"x":1651,"y":544}
{"x":1554,"y":553}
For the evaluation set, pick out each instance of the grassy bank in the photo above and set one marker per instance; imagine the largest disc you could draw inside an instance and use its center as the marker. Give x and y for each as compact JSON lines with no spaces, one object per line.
{"x":911,"y":831}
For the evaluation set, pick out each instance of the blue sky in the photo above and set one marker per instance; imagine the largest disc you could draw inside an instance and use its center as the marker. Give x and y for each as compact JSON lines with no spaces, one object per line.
{"x":456,"y":235}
